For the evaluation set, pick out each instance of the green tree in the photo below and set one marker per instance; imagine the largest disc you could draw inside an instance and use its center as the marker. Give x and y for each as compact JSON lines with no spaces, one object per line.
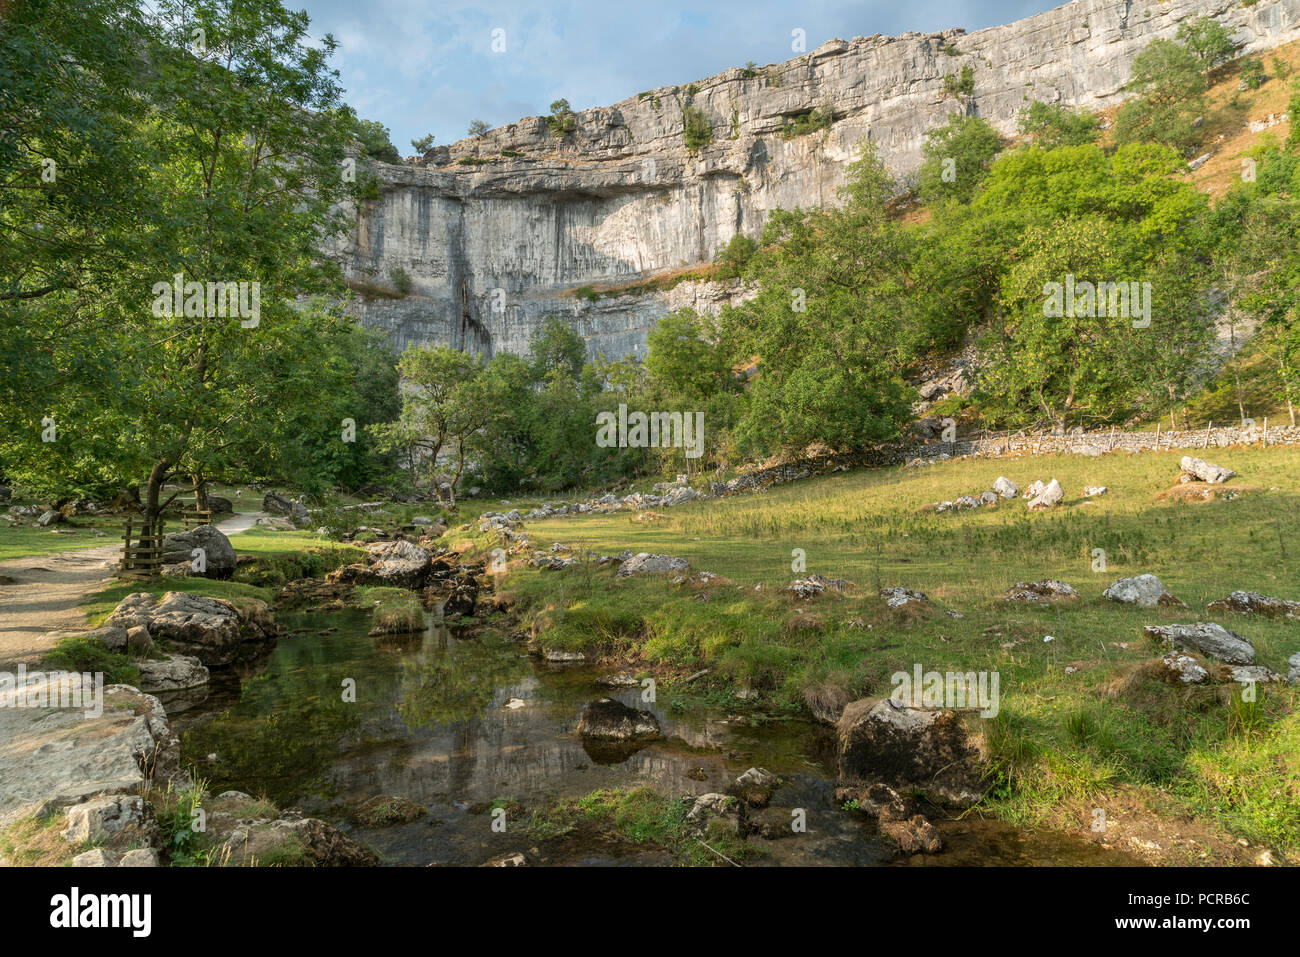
{"x":246,"y":138}
{"x":1050,"y":125}
{"x":423,"y":144}
{"x":1169,"y":84}
{"x":375,"y":143}
{"x":833,"y":324}
{"x":957,"y":158}
{"x":1207,"y":40}
{"x":732,"y":258}
{"x":562,"y":120}
{"x":478,"y":127}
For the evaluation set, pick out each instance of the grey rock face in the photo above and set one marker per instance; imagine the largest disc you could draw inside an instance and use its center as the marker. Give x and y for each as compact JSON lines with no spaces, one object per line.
{"x":290,"y":509}
{"x":1204,"y":471}
{"x":218,"y":553}
{"x":1145,"y":591}
{"x":100,"y":819}
{"x":1207,"y":638}
{"x":493,"y":246}
{"x":1293,"y":668}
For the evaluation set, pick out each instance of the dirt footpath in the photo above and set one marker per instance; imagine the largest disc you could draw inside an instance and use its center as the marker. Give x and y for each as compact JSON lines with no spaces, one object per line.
{"x":45,"y":600}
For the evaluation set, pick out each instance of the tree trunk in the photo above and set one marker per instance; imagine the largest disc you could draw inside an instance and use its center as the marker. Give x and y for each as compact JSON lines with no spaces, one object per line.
{"x":152,"y":505}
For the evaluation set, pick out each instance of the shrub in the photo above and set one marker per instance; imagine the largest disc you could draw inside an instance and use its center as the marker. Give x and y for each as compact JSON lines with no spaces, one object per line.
{"x":960,"y":86}
{"x":401,"y":280}
{"x":696,"y":131}
{"x":810,"y":121}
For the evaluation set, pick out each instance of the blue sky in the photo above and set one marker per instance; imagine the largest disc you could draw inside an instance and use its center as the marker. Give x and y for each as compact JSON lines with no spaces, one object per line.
{"x":420,"y":66}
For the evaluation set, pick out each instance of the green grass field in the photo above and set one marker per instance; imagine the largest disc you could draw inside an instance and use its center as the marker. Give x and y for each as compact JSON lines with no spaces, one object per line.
{"x":1064,"y":740}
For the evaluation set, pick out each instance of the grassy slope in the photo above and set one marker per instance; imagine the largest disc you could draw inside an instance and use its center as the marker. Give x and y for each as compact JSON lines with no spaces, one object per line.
{"x":1061,"y":742}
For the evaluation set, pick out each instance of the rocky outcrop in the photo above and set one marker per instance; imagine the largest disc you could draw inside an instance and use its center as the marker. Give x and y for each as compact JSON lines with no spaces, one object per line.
{"x":496,"y":231}
{"x":399,"y":564}
{"x":210,"y":629}
{"x":295,"y":512}
{"x":930,"y":752}
{"x":1252,"y":603}
{"x":1207,"y":638}
{"x":54,"y":758}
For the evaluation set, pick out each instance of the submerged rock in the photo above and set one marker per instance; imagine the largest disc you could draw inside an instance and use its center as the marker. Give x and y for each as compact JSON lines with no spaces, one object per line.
{"x":385,"y":810}
{"x":610,"y":720}
{"x":1207,"y":638}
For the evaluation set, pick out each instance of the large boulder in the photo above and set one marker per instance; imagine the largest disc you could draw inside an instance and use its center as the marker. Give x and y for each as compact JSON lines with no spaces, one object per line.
{"x":294,"y":511}
{"x":218,"y":553}
{"x":397,"y":564}
{"x":1145,"y":591}
{"x":1005,"y":488}
{"x":1204,"y":471}
{"x":1051,"y":495}
{"x":210,"y":629}
{"x":1207,"y":638}
{"x":936,"y":753}
{"x":646,"y":563}
{"x":173,"y":673}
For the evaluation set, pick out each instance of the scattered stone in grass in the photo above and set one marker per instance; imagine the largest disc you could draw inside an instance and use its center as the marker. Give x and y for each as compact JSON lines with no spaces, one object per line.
{"x":1091,"y":491}
{"x":1206,"y":638}
{"x":1184,"y":668}
{"x":900,"y":597}
{"x":1051,"y":495}
{"x":1145,"y":591}
{"x":1254,"y":674}
{"x":1252,"y":603}
{"x":1005,"y":488}
{"x":645,"y":563}
{"x":1203,"y":471}
{"x":1042,"y":592}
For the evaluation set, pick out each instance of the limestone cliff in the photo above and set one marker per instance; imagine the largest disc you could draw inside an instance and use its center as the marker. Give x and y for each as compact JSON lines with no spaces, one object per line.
{"x":497,"y":231}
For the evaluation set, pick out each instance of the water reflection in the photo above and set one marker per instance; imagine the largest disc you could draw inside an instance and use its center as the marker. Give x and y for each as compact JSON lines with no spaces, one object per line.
{"x":430,"y":723}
